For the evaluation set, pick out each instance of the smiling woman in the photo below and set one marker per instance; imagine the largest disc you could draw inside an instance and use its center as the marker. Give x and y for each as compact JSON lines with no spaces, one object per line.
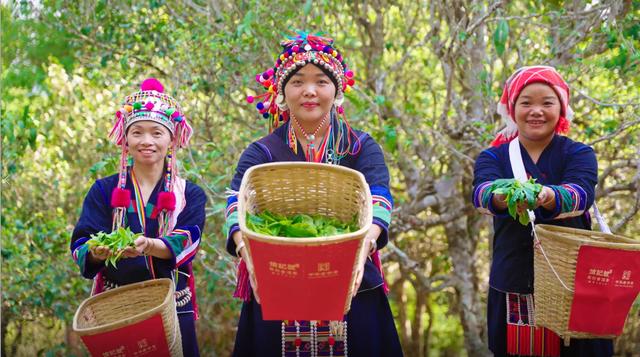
{"x":151,"y":199}
{"x":148,"y":144}
{"x":535,"y":106}
{"x":303,"y":100}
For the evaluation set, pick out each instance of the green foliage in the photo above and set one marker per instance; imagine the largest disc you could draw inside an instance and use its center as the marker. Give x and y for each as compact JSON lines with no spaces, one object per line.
{"x":516,"y":194}
{"x":67,"y":65}
{"x":115,"y":241}
{"x":500,"y":36}
{"x":299,"y":225}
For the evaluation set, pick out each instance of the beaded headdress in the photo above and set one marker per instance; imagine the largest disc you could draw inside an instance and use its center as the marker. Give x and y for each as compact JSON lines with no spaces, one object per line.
{"x":297,"y":51}
{"x":514,"y":86}
{"x":149,"y":104}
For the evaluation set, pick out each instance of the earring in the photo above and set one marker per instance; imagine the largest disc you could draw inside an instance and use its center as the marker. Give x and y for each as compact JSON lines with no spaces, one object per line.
{"x":339,"y":99}
{"x":280,"y":102}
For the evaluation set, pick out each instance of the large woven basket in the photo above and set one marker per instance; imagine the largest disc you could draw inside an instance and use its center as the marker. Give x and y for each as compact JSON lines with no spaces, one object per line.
{"x":306,"y":188}
{"x":558,"y":251}
{"x":115,"y":309}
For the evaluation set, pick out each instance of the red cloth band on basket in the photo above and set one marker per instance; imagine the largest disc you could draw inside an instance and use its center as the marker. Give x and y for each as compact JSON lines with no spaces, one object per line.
{"x":607,"y":282}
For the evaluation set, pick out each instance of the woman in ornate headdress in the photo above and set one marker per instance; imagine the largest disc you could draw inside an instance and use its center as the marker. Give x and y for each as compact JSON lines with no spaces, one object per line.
{"x":535,"y":107}
{"x":150,"y":198}
{"x":303,"y":104}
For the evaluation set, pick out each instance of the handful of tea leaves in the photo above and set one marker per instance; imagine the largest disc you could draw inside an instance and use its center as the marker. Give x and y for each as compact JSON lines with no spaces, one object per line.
{"x":299,"y":225}
{"x":116,"y":241}
{"x":516,"y":193}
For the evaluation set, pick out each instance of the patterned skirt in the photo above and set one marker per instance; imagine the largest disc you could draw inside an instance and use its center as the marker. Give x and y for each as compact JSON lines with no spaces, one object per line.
{"x":510,"y":323}
{"x":367,"y":330}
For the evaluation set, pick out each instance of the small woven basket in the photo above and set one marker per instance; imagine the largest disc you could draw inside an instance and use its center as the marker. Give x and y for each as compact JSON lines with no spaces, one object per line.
{"x":126,"y":305}
{"x":291,"y":188}
{"x":558,"y":251}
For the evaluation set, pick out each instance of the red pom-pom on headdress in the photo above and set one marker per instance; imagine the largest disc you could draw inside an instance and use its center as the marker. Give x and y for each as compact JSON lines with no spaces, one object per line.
{"x":120,"y":197}
{"x":152,"y":84}
{"x":166,"y":201}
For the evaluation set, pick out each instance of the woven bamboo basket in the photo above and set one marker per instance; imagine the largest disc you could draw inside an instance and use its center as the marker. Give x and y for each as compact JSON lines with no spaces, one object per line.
{"x":560,"y":245}
{"x":291,"y":188}
{"x":129,"y":304}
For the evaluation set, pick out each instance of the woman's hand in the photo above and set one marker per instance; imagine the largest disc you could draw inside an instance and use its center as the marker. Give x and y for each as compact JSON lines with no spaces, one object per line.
{"x":499,"y":202}
{"x":241,"y":252}
{"x":98,"y":254}
{"x":147,"y":246}
{"x":546,"y":198}
{"x":369,"y":247}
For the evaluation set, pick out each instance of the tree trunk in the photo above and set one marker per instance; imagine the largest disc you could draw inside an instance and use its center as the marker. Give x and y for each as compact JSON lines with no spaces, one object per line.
{"x":4,"y":324}
{"x":462,"y":252}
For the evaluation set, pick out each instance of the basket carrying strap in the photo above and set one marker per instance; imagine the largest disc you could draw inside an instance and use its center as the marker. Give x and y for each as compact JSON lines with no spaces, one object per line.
{"x":517,"y":166}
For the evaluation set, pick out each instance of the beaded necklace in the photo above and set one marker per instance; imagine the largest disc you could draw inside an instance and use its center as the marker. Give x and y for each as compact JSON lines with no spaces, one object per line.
{"x":312,"y":154}
{"x":140,"y":207}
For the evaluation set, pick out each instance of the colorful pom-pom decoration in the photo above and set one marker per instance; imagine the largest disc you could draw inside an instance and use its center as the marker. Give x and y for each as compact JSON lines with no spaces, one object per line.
{"x":175,"y":114}
{"x":260,"y":106}
{"x":118,"y":114}
{"x":249,"y":99}
{"x":178,"y":118}
{"x":348,"y":74}
{"x":137,"y":106}
{"x":265,"y":115}
{"x":166,"y":201}
{"x":152,"y":84}
{"x":128,"y":108}
{"x":170,"y":111}
{"x":120,"y":197}
{"x":149,"y":105}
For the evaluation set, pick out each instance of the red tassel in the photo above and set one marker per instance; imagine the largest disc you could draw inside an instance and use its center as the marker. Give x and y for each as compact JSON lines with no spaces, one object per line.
{"x":120,"y":197}
{"x":563,"y":126}
{"x":166,"y":201}
{"x":551,"y":343}
{"x":512,"y":339}
{"x":375,"y":257}
{"x":538,"y":341}
{"x":192,"y":288}
{"x":243,"y":286}
{"x":525,"y":340}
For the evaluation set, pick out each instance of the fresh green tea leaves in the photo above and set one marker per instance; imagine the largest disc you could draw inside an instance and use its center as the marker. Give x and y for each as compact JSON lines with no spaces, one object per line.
{"x":299,"y":225}
{"x":517,"y":192}
{"x":116,"y":241}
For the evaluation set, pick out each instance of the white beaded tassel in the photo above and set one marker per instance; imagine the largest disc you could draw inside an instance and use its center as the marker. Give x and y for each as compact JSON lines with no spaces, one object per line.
{"x":283,"y":339}
{"x":345,"y":339}
{"x":297,"y":337}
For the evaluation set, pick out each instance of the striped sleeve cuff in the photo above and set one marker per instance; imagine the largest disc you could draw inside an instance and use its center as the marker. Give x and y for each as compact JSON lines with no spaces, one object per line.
{"x":183,"y":243}
{"x":571,"y":201}
{"x":382,"y":204}
{"x":231,"y":222}
{"x":79,"y":253}
{"x":483,"y":200}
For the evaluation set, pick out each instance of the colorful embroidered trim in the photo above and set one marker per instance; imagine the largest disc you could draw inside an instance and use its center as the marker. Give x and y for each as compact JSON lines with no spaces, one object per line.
{"x":314,"y":338}
{"x":571,"y":200}
{"x":523,"y":337}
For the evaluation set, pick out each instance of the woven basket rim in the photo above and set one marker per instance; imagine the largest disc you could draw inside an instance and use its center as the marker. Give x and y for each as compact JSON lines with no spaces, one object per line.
{"x":124,"y":322}
{"x":305,"y":241}
{"x":571,"y":235}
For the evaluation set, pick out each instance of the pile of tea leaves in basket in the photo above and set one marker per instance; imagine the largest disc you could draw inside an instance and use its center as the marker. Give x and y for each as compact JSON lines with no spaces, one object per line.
{"x":517,"y":193}
{"x":299,"y":225}
{"x":116,"y":241}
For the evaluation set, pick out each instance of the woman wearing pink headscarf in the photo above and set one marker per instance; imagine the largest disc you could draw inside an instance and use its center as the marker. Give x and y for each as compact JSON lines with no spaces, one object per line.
{"x":535,"y":107}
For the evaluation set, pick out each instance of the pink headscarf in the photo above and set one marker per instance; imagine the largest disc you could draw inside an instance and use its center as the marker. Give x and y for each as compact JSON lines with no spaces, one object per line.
{"x":514,"y":86}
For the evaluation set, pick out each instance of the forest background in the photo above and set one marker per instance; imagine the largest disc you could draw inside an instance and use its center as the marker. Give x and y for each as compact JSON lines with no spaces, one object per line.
{"x":428,"y":76}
